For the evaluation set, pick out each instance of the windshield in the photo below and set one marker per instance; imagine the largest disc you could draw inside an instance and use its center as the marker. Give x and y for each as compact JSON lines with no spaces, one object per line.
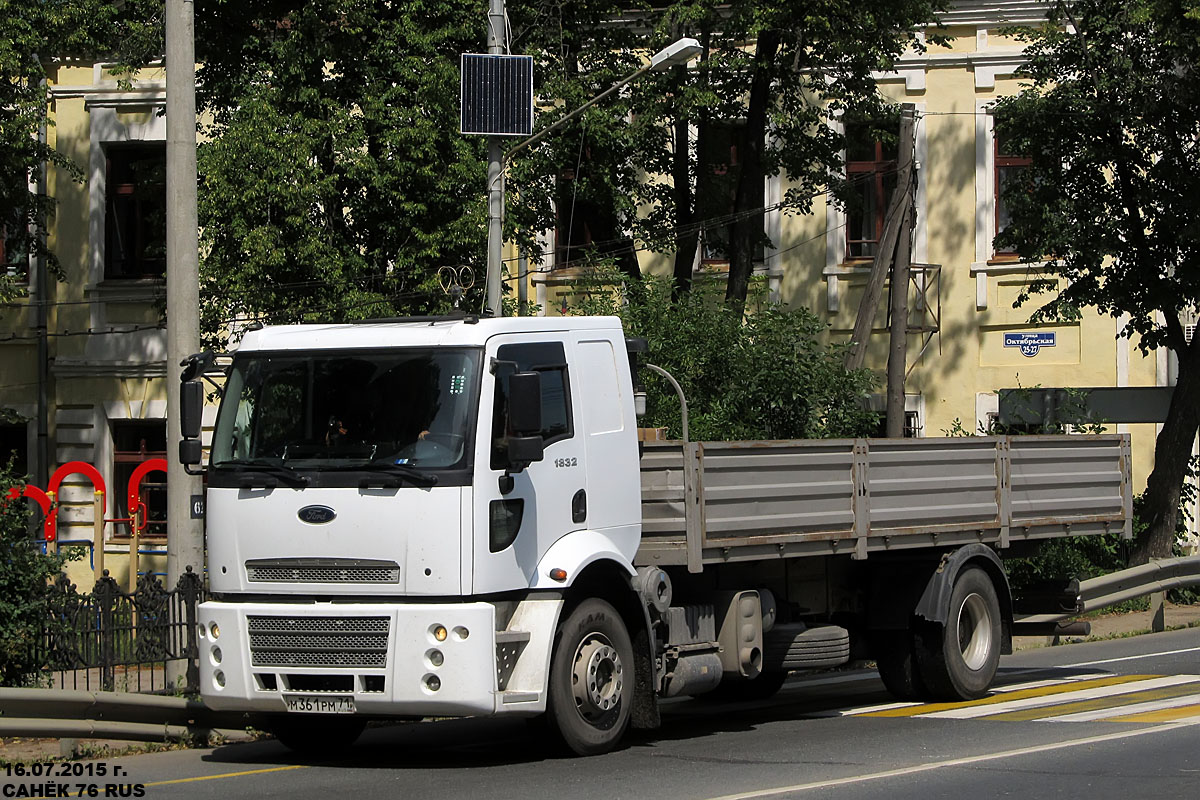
{"x":347,"y":410}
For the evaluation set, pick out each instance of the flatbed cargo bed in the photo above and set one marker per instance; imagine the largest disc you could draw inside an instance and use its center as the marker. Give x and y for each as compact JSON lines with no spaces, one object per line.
{"x":717,"y":502}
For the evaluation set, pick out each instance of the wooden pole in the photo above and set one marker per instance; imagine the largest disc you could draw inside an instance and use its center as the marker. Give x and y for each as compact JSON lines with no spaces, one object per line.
{"x":98,"y":535}
{"x":135,"y":519}
{"x":881,"y":265}
{"x":898,"y":330}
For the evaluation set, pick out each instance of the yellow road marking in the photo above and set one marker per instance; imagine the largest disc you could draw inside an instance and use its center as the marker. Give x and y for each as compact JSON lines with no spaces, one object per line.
{"x":214,"y":777}
{"x":1095,"y":704}
{"x":227,"y":775}
{"x":1005,"y":697}
{"x":1163,"y":715}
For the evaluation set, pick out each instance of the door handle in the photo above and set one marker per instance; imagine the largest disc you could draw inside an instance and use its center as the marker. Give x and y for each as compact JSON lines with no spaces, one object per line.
{"x":579,"y":507}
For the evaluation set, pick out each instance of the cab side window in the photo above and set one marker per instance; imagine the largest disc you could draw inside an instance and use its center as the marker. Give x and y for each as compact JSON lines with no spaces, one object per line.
{"x":549,"y":360}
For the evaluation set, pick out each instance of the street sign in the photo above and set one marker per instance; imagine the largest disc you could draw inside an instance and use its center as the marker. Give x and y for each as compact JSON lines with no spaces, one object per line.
{"x":1030,"y":343}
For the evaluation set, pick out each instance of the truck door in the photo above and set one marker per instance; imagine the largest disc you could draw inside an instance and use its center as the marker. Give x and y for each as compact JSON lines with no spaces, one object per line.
{"x":513,"y":530}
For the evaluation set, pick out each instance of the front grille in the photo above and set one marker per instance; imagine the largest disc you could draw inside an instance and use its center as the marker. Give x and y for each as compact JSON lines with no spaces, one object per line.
{"x":322,"y":570}
{"x":318,"y":641}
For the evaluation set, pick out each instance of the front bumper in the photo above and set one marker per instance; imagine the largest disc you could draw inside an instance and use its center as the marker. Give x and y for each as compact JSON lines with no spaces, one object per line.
{"x":387,"y":657}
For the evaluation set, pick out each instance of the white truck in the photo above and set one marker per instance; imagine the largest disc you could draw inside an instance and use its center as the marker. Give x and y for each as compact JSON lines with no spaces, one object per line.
{"x":455,"y":517}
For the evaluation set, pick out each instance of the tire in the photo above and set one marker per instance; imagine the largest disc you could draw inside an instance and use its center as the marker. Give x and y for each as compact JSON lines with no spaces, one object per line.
{"x":895,"y":657}
{"x":591,"y":679}
{"x":958,"y":660}
{"x":317,"y":735}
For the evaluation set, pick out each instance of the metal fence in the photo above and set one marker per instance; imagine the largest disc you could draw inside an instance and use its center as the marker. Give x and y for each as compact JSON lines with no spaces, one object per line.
{"x":110,"y":640}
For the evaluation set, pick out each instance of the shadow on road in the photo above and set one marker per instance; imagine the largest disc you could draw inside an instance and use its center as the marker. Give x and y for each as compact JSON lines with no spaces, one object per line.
{"x":483,"y":743}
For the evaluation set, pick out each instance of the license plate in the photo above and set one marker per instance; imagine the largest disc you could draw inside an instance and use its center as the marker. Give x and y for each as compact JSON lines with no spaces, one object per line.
{"x":316,"y":704}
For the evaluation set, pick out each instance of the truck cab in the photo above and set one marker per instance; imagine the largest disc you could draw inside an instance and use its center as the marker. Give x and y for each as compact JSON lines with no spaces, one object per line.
{"x":376,"y":543}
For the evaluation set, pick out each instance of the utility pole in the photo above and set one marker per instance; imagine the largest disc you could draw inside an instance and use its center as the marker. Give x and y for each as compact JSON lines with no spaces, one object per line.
{"x":185,"y":536}
{"x":497,"y":44}
{"x":898,"y":351}
{"x":41,"y":471}
{"x":892,"y":257}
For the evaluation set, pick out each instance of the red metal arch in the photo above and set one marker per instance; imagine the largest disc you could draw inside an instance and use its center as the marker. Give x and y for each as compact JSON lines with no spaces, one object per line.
{"x":135,"y":483}
{"x":72,"y":468}
{"x":43,"y":500}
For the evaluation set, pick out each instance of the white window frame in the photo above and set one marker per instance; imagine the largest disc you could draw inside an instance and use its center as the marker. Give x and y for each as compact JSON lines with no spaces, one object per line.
{"x":836,"y":265}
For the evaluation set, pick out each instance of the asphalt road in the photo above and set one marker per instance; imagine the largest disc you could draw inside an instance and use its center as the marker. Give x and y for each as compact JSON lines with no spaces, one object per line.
{"x":1114,"y":719}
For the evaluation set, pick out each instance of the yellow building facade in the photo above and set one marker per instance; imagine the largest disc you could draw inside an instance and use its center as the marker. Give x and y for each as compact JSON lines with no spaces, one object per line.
{"x":104,"y":385}
{"x":106,"y":381}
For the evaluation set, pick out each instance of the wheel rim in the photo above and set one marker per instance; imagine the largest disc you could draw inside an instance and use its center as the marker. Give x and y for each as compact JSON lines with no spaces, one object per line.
{"x":975,"y":631}
{"x":597,"y":678}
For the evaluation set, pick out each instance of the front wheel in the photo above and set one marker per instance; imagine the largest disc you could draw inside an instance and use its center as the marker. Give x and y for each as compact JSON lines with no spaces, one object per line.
{"x":591,"y":679}
{"x":958,"y":660}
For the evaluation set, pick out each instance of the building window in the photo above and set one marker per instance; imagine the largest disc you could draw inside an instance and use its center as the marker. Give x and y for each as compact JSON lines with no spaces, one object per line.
{"x":1008,"y":169}
{"x":14,"y":448}
{"x":135,"y":221}
{"x":716,"y":192}
{"x":871,"y":171}
{"x":913,"y":429}
{"x":14,"y":251}
{"x":134,"y":442}
{"x":572,"y":228}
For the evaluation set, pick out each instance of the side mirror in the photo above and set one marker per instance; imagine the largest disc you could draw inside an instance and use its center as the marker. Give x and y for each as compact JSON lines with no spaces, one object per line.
{"x":190,"y":452}
{"x":191,"y":408}
{"x":525,"y":403}
{"x":524,"y":445}
{"x":524,"y":450}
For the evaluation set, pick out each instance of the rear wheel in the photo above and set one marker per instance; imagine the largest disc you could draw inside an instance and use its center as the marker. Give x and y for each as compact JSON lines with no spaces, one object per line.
{"x":897,"y":662}
{"x":591,"y":679}
{"x":958,"y":660}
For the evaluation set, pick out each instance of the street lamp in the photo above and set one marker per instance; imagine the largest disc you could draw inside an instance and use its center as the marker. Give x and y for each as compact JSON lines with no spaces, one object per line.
{"x":679,"y":52}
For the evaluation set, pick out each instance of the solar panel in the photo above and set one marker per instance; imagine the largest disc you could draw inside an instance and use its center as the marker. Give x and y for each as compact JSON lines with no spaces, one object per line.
{"x":496,"y":95}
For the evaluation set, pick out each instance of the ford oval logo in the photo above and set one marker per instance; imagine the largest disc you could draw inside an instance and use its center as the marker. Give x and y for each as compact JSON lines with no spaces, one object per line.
{"x":316,"y":515}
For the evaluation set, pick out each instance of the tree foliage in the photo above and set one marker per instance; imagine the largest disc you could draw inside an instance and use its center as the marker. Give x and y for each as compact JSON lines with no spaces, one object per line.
{"x":36,"y":34}
{"x":1111,"y":202}
{"x":767,"y":376}
{"x":334,"y":182}
{"x":25,"y":572}
{"x":685,"y":153}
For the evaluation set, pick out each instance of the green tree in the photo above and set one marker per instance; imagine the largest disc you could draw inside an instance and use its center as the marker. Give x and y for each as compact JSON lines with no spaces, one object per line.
{"x":770,"y":79}
{"x":333,"y":180}
{"x":25,"y":572}
{"x":766,"y":375}
{"x":36,"y":33}
{"x":1111,"y":202}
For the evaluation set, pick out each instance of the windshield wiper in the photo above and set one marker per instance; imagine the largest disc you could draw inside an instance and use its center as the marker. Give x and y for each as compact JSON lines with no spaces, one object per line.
{"x":418,"y":476}
{"x":285,"y":474}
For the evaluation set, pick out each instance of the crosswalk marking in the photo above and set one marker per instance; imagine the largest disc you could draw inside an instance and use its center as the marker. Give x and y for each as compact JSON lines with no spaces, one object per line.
{"x":1115,"y":698}
{"x":927,"y":709}
{"x":1118,"y":712}
{"x":1136,"y":697}
{"x":1165,"y":715}
{"x":858,"y":711}
{"x":1088,"y":693}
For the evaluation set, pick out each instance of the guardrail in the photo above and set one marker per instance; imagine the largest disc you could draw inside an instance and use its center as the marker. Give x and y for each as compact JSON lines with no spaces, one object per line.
{"x":1108,"y":590}
{"x":109,"y":715}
